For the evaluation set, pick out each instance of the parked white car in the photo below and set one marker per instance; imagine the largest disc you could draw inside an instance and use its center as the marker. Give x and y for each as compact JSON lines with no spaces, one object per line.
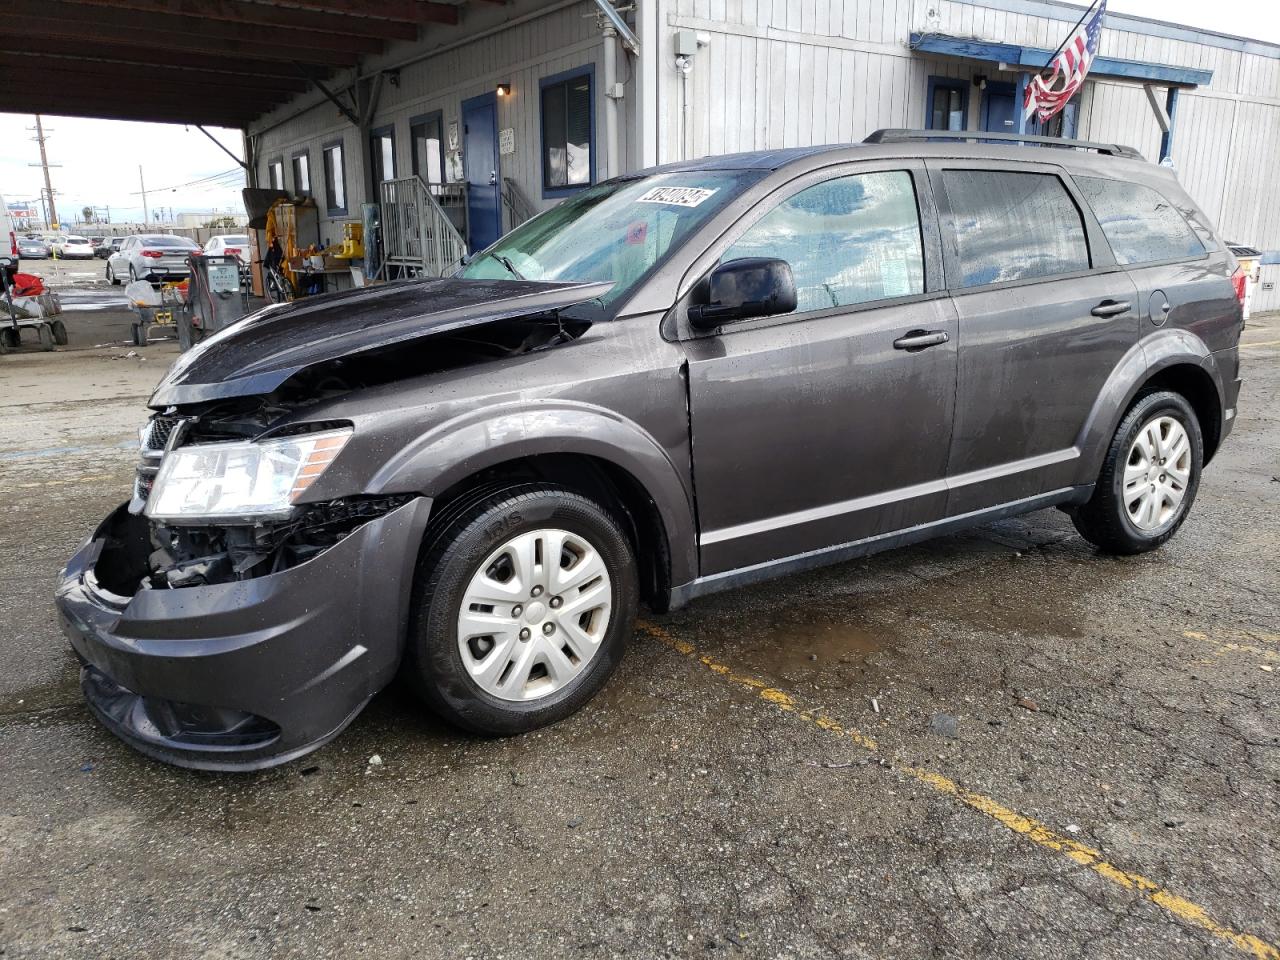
{"x":70,"y":247}
{"x":153,"y":257}
{"x":229,"y":245}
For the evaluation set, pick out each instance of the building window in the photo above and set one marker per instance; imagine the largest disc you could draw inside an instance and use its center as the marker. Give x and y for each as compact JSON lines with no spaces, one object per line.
{"x":382,"y":151}
{"x":275,"y":174}
{"x":1012,"y":226}
{"x":428,"y":147}
{"x":301,"y":163}
{"x":948,"y":104}
{"x":568,"y":132}
{"x":335,"y":178}
{"x":849,"y":240}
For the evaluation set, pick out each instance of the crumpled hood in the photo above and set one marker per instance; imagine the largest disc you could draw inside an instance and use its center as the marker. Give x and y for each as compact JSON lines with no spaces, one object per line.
{"x":261,"y":351}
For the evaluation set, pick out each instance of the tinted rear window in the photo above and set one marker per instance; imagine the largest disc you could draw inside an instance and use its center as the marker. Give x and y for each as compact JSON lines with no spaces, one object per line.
{"x":181,"y":242}
{"x":1141,"y":225}
{"x":1013,"y":226}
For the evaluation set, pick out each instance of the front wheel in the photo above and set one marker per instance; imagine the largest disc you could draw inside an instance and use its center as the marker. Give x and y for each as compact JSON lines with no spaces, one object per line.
{"x":524,"y":602}
{"x":1149,"y":478}
{"x":111,"y":276}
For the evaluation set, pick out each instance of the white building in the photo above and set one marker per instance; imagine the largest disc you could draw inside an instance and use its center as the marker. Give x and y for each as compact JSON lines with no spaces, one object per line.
{"x":528,"y":101}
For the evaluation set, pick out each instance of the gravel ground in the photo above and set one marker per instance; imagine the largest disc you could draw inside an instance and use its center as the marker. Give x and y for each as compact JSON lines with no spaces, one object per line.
{"x":995,"y":744}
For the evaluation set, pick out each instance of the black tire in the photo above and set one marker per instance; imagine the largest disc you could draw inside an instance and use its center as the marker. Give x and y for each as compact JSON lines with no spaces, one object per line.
{"x":140,"y":334}
{"x":1104,"y":521}
{"x":133,"y":274}
{"x":46,"y":336}
{"x":465,"y":535}
{"x":59,"y":332}
{"x":115,"y":281}
{"x":10,"y":336}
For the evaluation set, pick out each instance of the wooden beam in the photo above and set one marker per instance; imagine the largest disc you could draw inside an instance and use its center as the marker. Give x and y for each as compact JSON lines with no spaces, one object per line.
{"x":240,"y":11}
{"x":108,"y":109}
{"x":142,"y":92}
{"x":407,"y":11}
{"x":108,"y":74}
{"x":112,"y":53}
{"x":90,"y":34}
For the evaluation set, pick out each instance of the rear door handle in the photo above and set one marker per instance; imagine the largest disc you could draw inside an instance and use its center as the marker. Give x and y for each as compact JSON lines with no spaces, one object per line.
{"x":919,"y":339}
{"x":1111,"y":308}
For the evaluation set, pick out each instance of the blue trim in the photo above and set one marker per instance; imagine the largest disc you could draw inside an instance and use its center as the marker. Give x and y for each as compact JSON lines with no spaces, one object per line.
{"x":423,"y":119}
{"x":1166,"y":139}
{"x":1034,"y":57}
{"x":946,"y":83}
{"x":1019,"y":100}
{"x":586,"y":70}
{"x":387,"y":130}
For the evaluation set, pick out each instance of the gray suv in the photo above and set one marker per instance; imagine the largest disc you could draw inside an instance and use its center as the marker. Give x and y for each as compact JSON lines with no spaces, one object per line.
{"x":680,"y":381}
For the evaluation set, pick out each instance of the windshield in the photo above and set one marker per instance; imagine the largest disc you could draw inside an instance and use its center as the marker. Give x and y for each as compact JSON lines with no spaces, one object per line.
{"x":617,"y":231}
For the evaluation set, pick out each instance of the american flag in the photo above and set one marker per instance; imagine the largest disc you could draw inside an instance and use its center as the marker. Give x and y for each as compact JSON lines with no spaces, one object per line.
{"x":1046,"y":97}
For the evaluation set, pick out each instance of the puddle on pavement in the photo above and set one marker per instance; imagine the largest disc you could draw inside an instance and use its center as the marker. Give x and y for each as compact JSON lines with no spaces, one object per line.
{"x":61,"y":692}
{"x":804,"y":640}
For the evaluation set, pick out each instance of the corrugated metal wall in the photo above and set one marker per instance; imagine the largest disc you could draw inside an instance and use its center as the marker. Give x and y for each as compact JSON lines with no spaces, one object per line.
{"x":794,"y":72}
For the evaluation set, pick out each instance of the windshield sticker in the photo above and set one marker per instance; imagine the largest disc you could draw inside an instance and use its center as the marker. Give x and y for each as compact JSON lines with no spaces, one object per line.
{"x":676,"y":196}
{"x":637,"y":232}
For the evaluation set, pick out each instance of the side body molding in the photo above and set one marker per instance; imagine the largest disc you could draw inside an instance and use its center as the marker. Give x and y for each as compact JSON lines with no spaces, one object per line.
{"x":458,"y":448}
{"x":1158,"y":351}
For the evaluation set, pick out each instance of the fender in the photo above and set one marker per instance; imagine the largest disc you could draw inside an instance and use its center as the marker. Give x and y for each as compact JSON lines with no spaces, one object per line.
{"x":1157,"y":351}
{"x":465,"y":445}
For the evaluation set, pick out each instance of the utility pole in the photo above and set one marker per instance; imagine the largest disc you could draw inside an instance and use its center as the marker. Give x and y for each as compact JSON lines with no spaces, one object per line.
{"x":146,"y":217}
{"x":44,"y":162}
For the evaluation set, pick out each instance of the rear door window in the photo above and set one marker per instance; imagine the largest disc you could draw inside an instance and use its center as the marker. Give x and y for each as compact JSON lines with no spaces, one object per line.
{"x":1141,"y":225}
{"x":1012,"y":226}
{"x":849,"y":240}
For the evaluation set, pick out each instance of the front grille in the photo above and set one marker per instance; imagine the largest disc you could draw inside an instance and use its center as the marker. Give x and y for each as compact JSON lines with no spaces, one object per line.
{"x":158,"y":431}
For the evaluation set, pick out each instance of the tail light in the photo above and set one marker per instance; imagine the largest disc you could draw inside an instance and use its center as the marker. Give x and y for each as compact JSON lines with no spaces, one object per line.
{"x":1239,"y":280}
{"x":232,"y":251}
{"x":153,"y":254}
{"x":13,"y":243}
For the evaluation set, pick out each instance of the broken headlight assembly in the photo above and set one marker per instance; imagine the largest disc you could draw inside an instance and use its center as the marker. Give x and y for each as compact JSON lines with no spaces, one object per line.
{"x":238,"y":480}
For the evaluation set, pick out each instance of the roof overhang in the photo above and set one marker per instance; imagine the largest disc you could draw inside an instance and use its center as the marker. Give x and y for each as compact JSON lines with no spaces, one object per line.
{"x":1034,"y":58}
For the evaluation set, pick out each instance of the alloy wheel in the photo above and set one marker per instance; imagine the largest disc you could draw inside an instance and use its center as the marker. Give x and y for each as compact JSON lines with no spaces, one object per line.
{"x":534,"y":614}
{"x":1157,"y":473}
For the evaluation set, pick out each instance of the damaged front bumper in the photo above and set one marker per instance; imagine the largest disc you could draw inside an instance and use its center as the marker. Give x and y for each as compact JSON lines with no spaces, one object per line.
{"x":245,"y":674}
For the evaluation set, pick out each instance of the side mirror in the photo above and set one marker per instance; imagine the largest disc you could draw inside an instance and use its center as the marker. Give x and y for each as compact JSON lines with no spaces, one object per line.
{"x":745,"y":288}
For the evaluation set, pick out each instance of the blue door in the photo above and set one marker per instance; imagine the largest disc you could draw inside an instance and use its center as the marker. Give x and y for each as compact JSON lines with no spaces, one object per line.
{"x":998,"y":108}
{"x":480,"y":164}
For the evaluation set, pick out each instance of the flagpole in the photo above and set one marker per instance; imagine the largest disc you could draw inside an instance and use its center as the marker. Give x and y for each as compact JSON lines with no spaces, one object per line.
{"x":1071,"y":33}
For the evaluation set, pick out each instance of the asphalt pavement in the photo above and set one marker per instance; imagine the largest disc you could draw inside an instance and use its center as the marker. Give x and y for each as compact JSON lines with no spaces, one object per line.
{"x":999,"y":744}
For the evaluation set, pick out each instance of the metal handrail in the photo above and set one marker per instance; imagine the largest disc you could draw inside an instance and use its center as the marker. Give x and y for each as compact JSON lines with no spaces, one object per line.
{"x":519,"y":206}
{"x":418,"y":238}
{"x":908,"y":136}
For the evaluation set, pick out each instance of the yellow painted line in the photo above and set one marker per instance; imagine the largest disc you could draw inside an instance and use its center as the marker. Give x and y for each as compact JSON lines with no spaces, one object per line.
{"x":1086,"y":856}
{"x":1227,"y":646}
{"x":65,"y":481}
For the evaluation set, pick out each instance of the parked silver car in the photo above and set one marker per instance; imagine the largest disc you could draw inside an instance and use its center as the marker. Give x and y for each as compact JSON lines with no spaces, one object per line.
{"x":151,"y":256}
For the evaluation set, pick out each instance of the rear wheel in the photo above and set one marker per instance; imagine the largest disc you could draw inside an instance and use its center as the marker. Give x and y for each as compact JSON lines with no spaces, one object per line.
{"x":524,"y":603}
{"x":46,"y":336}
{"x":59,"y":332}
{"x":115,"y":281}
{"x":1149,"y":478}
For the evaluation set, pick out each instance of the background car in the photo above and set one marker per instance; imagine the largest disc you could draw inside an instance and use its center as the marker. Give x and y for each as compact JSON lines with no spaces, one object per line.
{"x":104,"y":247}
{"x":8,"y":242}
{"x":229,"y":245}
{"x":151,"y":256}
{"x":33,"y":249}
{"x":72,"y":247}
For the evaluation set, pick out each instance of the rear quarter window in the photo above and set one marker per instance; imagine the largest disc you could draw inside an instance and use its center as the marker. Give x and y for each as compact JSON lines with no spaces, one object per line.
{"x":1012,"y":226}
{"x":1141,"y":224}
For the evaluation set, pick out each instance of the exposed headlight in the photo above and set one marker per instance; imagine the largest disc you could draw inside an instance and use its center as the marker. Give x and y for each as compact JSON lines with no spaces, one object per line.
{"x":212,"y":481}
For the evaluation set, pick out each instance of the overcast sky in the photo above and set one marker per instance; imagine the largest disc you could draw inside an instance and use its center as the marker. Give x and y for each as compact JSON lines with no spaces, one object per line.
{"x":100,"y":158}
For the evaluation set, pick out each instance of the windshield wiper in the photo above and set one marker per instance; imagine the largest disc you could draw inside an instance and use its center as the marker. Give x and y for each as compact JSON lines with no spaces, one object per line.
{"x":511,"y":267}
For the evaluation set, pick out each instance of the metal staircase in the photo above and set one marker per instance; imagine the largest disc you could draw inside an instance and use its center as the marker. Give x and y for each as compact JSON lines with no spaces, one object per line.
{"x":419,"y":237}
{"x":518,"y":206}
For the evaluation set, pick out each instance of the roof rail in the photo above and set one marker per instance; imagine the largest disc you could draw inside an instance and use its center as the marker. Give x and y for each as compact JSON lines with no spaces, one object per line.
{"x":905,"y":136}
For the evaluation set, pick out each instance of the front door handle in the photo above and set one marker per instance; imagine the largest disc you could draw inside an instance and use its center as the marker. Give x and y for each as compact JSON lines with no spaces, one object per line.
{"x":919,"y":339}
{"x":1111,"y":308}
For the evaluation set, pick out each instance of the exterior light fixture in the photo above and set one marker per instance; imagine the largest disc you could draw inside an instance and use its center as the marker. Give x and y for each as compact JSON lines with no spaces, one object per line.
{"x":504,"y":89}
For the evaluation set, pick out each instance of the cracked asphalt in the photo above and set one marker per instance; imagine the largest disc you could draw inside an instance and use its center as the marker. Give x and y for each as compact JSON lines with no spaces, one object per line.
{"x":995,"y":744}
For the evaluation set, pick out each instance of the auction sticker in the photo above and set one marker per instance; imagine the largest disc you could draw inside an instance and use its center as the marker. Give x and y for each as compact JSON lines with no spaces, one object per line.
{"x":676,"y":196}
